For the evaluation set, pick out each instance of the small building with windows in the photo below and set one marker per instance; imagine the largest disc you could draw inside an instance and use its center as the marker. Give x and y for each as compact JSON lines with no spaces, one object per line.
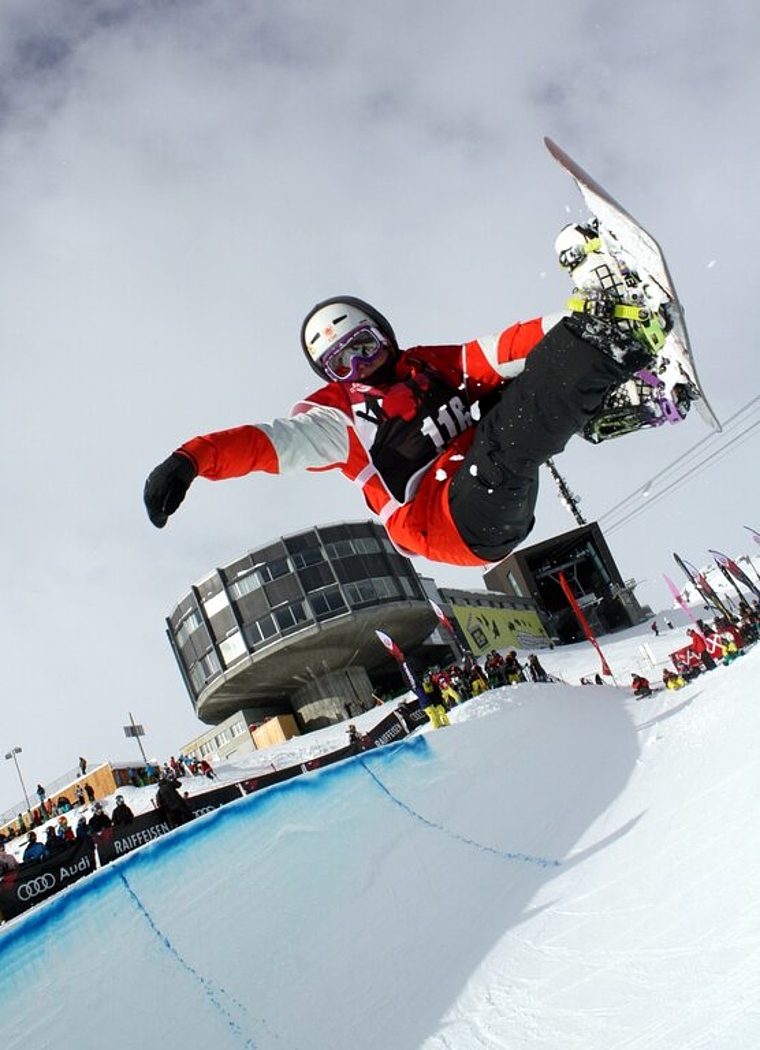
{"x":289,"y":628}
{"x":586,"y":562}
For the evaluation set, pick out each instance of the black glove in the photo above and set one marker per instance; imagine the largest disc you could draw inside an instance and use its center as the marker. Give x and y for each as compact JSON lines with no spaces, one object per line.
{"x":166,"y":487}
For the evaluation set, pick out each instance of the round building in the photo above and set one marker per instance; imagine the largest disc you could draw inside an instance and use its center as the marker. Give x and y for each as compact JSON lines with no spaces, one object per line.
{"x":290,"y":627}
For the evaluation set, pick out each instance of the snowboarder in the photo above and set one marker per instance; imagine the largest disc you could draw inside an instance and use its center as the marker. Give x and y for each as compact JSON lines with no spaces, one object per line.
{"x":445,"y":442}
{"x":641,"y":686}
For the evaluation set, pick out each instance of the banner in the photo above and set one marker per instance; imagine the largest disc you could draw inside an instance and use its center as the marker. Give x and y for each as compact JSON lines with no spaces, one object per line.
{"x":403,"y":664}
{"x":696,"y":578}
{"x":35,"y":882}
{"x":728,"y":564}
{"x":584,"y":623}
{"x":755,"y":533}
{"x":114,"y":842}
{"x":679,"y":598}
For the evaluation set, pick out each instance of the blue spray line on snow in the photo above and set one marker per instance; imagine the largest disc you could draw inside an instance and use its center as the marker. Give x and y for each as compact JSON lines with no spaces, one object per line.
{"x":523,"y":858}
{"x":205,"y":984}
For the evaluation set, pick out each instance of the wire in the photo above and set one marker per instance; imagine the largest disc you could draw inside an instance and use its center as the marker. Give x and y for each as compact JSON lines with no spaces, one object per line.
{"x":704,"y":454}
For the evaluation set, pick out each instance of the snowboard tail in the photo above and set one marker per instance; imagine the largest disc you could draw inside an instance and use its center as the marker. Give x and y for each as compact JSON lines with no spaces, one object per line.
{"x":664,"y":391}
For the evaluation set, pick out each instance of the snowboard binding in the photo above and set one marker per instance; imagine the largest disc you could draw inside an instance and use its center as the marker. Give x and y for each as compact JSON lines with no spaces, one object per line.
{"x":608,"y":289}
{"x":629,"y":321}
{"x":641,"y":402}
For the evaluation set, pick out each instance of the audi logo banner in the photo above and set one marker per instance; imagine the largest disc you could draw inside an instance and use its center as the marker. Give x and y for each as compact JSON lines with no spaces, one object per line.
{"x":32,"y":883}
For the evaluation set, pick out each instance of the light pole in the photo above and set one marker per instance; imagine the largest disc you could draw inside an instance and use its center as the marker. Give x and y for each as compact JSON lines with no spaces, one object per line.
{"x":12,"y":754}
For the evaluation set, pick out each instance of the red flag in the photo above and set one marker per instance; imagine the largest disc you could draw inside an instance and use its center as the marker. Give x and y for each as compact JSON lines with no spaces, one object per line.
{"x":583,"y":622}
{"x":442,"y":617}
{"x":391,"y":646}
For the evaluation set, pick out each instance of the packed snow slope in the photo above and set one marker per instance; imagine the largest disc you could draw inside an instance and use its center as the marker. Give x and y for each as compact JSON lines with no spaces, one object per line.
{"x":563,"y":867}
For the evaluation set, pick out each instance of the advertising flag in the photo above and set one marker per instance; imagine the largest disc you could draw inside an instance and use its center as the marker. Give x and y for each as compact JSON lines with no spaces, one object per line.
{"x":583,"y":622}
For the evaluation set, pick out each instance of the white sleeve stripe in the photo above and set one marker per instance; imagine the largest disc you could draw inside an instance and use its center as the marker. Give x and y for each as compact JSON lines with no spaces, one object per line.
{"x":317,"y":438}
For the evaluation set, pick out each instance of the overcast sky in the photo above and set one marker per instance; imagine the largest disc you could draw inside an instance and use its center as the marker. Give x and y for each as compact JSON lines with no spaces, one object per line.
{"x":179,"y":182}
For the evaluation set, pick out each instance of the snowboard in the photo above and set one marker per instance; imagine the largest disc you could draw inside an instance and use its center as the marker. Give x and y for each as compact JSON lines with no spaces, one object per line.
{"x":664,"y":391}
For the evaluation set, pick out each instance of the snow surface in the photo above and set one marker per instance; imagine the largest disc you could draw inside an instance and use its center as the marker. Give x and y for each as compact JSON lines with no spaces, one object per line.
{"x":564,"y":867}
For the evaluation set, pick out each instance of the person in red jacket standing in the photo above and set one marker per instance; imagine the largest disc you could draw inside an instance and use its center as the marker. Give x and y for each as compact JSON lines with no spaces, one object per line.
{"x":445,"y":442}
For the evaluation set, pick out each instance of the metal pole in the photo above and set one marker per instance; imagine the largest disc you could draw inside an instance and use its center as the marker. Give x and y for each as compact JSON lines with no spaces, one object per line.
{"x":567,"y":498}
{"x":12,"y":754}
{"x":137,"y":737}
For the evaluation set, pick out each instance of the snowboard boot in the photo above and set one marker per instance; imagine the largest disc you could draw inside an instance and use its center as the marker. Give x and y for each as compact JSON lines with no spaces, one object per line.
{"x":609,"y":309}
{"x":609,"y":300}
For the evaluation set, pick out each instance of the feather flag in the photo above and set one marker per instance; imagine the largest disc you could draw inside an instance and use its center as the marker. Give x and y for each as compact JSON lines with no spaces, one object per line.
{"x":403,"y":664}
{"x":727,"y":563}
{"x":709,"y":597}
{"x":391,"y":646}
{"x":755,"y":533}
{"x":584,"y":623}
{"x":443,"y":619}
{"x":679,"y":597}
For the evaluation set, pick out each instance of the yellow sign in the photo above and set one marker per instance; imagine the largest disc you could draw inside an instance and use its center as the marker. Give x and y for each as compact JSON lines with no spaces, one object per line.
{"x":486,"y":629}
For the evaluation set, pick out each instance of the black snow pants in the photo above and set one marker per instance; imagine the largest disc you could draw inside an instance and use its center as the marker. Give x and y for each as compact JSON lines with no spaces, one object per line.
{"x":493,"y":494}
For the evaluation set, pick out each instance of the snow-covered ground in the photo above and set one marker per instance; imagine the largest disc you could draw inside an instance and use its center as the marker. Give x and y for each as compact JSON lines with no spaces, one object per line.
{"x":565,"y":867}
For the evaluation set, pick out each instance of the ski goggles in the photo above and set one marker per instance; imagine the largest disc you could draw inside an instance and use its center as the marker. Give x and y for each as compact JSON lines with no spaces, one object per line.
{"x":361,"y":346}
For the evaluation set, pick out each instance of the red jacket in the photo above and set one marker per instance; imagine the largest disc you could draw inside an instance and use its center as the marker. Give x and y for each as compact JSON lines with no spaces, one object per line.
{"x":401,"y":442}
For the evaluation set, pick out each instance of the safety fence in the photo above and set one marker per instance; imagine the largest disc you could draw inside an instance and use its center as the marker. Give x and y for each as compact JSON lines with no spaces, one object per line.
{"x":36,"y":881}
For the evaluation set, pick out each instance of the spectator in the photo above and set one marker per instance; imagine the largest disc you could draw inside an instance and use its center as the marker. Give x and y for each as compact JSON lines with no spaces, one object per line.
{"x":41,"y":795}
{"x":512,"y":668}
{"x":358,"y":741}
{"x":63,"y":805}
{"x":655,"y":628}
{"x":121,"y":814}
{"x":34,"y":850}
{"x":64,"y":831}
{"x":82,"y":766}
{"x":99,"y":820}
{"x":494,"y":666}
{"x":699,"y":645}
{"x":89,"y":791}
{"x":82,"y":832}
{"x":80,"y":795}
{"x":403,"y":712}
{"x":8,"y":862}
{"x":535,"y":669}
{"x":671,"y":680}
{"x":641,"y":686}
{"x":53,"y":843}
{"x":206,"y":770}
{"x":176,"y":809}
{"x":668,"y":624}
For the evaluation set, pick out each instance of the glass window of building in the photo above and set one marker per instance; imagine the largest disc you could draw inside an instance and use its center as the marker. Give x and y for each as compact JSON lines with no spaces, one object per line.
{"x":309,"y":556}
{"x":274,"y":569}
{"x":245,"y":584}
{"x":313,"y":577}
{"x":327,"y":602}
{"x":259,"y":630}
{"x":191,"y":622}
{"x":387,"y":587}
{"x":290,"y":616}
{"x":338,"y":549}
{"x":361,"y":593}
{"x":367,"y":545}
